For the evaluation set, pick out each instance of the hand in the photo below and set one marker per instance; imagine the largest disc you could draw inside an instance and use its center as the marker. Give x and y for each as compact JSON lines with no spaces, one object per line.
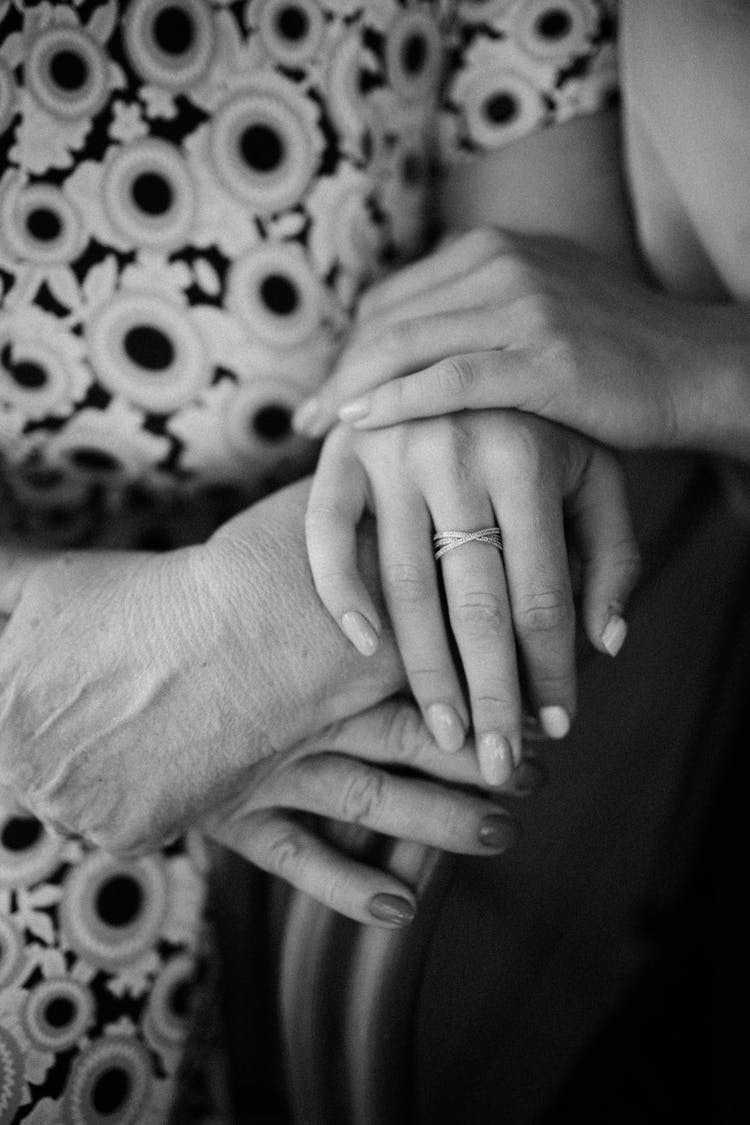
{"x":540,"y":325}
{"x":137,"y":691}
{"x":324,"y":777}
{"x":468,"y":472}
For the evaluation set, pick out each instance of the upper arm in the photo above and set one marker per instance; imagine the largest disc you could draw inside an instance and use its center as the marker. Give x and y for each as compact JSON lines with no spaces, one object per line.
{"x":527,"y":139}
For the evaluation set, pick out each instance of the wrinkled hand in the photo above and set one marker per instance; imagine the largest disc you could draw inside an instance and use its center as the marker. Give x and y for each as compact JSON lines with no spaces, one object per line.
{"x":538,"y":324}
{"x":468,"y":472}
{"x":347,"y":774}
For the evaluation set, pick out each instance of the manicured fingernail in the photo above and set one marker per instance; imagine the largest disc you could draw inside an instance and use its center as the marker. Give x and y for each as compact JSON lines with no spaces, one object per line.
{"x":497,"y":831}
{"x":555,"y":721}
{"x":392,"y":908}
{"x":360,"y":632}
{"x":446,"y":727}
{"x":615,"y":632}
{"x":305,"y":417}
{"x":528,"y":777}
{"x":495,"y":757}
{"x":355,"y":410}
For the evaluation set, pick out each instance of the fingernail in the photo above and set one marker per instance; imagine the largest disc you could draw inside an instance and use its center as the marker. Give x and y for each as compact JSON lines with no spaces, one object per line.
{"x":495,"y":757}
{"x":528,"y":777}
{"x":305,"y":417}
{"x":354,"y":410}
{"x":555,"y":721}
{"x":360,"y":632}
{"x":615,"y":632}
{"x":497,"y":832}
{"x":392,"y":908}
{"x":446,"y":727}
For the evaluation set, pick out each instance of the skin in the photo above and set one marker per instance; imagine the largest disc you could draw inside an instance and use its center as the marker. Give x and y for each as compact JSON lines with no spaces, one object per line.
{"x":123,"y":666}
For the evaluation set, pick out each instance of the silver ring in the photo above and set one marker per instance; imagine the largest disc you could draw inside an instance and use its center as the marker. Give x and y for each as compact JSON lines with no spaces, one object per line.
{"x":444,"y":541}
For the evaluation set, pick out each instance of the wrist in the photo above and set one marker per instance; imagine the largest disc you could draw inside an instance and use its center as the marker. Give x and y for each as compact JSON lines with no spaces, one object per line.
{"x":712,"y":391}
{"x":299,"y":673}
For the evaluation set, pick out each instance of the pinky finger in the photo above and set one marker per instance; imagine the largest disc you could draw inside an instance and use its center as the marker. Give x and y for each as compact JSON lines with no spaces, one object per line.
{"x":284,"y":847}
{"x":337,"y":500}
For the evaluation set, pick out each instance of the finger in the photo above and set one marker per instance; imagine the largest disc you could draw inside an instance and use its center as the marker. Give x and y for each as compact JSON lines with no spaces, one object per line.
{"x":529,"y":505}
{"x":452,"y":259}
{"x":394,"y":734}
{"x":475,"y":380}
{"x":480,"y":618}
{"x":337,"y":500}
{"x":601,"y":525}
{"x":392,"y":350}
{"x":410,"y":588}
{"x":284,"y":847}
{"x":406,"y":808}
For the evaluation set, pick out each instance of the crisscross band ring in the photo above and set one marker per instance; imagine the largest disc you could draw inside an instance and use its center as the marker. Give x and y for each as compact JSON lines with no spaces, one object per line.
{"x":444,"y":541}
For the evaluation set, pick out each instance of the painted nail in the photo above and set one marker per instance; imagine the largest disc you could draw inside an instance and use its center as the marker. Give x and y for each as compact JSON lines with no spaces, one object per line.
{"x":497,"y":831}
{"x":305,"y":417}
{"x":446,"y":727}
{"x":615,"y":632}
{"x":360,"y":632}
{"x":528,"y":777}
{"x":392,"y":908}
{"x":555,"y":721}
{"x":495,"y":757}
{"x":355,"y":410}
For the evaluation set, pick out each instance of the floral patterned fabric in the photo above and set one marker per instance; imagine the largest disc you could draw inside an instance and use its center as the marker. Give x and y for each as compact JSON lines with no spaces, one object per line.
{"x":192,"y":196}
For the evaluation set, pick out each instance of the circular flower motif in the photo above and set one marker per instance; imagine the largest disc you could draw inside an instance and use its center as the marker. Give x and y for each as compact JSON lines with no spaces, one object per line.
{"x":28,"y":853}
{"x":414,"y":55}
{"x":265,"y":144}
{"x":149,"y":194}
{"x":42,"y":367}
{"x":145,"y":349}
{"x":109,"y":1083}
{"x":290,"y":30}
{"x":275,"y":292}
{"x":11,"y":1076}
{"x":344,"y":99}
{"x":168,"y":1011}
{"x":499,"y":105}
{"x":107,"y":447}
{"x":13,"y":956}
{"x":556,"y":30}
{"x":257,"y":422}
{"x":112,"y":910}
{"x":170,"y":42}
{"x":66,"y":72}
{"x":57,"y":1013}
{"x":7,"y":95}
{"x":39,"y":224}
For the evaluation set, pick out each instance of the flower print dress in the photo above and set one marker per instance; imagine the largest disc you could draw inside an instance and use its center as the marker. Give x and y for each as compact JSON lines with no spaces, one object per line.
{"x":192,"y":195}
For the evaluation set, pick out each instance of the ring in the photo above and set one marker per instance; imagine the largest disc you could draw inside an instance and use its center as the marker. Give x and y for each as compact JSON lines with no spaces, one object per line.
{"x":444,"y":541}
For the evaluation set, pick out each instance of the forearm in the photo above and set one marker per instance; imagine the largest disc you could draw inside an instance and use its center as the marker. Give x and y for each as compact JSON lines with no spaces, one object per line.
{"x":306,"y":675}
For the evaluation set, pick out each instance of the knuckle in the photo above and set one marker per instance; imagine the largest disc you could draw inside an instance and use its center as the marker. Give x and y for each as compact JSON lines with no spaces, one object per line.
{"x":362,"y":796}
{"x":406,"y":733}
{"x":478,"y":612}
{"x":490,"y":709}
{"x":545,"y":611}
{"x":454,"y":376}
{"x":286,"y":852}
{"x":522,"y":452}
{"x":405,"y":582}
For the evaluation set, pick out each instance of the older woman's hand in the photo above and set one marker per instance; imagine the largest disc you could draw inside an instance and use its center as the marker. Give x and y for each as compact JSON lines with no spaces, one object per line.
{"x":128,"y":714}
{"x":540,"y":324}
{"x":380,"y":770}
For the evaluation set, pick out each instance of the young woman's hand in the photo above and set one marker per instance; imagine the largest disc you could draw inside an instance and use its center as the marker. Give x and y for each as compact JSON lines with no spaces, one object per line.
{"x":539,"y":324}
{"x":468,"y":472}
